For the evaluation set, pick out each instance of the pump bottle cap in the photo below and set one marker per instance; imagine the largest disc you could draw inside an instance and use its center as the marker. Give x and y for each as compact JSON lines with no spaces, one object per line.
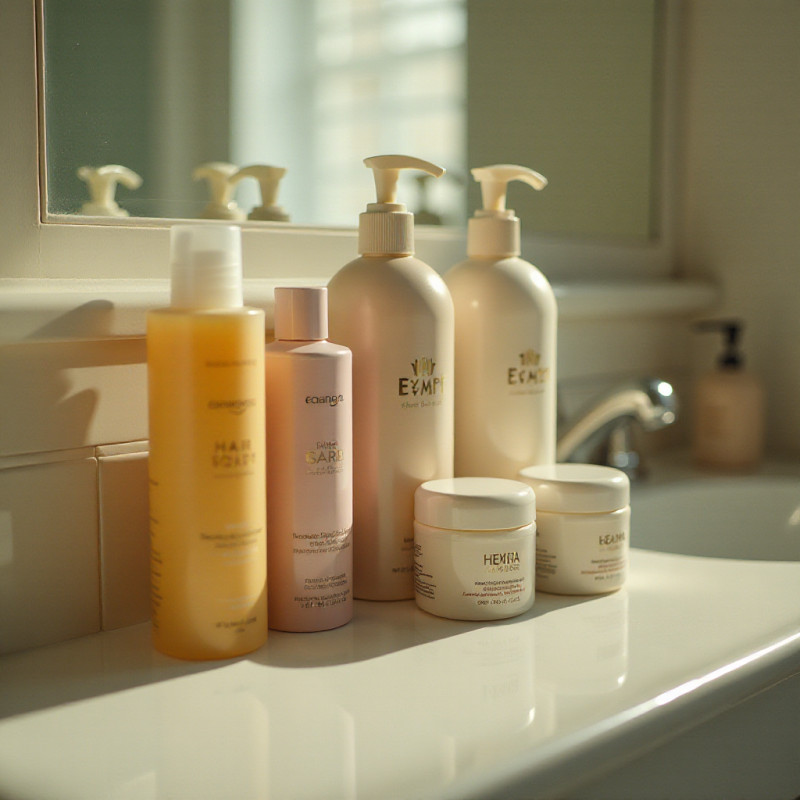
{"x":386,"y":228}
{"x":206,"y":262}
{"x":731,"y":357}
{"x":269,"y":179}
{"x":102,"y":182}
{"x":494,"y":229}
{"x":217,"y":175}
{"x":301,"y":313}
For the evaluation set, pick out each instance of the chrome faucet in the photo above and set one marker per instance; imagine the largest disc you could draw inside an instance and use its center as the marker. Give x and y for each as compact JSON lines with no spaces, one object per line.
{"x":602,"y":433}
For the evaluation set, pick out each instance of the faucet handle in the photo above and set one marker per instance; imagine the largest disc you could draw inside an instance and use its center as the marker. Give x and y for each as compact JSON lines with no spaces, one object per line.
{"x":650,"y":402}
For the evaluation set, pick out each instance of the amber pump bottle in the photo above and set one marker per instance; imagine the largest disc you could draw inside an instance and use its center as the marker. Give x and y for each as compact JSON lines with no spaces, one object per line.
{"x":205,"y":357}
{"x":728,"y":431}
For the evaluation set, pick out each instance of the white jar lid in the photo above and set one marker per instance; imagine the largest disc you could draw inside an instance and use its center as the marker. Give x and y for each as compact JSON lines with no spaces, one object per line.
{"x":474,"y":504}
{"x":577,"y":488}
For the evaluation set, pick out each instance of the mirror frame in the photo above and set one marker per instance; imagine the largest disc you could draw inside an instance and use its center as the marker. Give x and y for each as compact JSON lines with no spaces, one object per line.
{"x":45,"y":247}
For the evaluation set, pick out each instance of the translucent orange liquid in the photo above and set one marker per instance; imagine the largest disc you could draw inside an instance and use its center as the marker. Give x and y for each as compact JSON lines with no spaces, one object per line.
{"x":207,"y":482}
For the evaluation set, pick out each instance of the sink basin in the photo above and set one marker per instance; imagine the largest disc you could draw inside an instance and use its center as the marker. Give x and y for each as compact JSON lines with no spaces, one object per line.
{"x":745,"y":517}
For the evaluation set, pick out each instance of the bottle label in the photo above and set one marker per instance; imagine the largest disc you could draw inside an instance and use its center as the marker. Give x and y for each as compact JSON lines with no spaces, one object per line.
{"x":528,"y":375}
{"x":588,"y":555}
{"x":423,"y":386}
{"x":233,"y":455}
{"x":460,"y":577}
{"x":325,"y":458}
{"x":309,"y":487}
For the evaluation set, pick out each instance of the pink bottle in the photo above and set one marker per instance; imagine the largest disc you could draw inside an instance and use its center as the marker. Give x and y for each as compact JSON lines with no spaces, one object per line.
{"x":309,"y":467}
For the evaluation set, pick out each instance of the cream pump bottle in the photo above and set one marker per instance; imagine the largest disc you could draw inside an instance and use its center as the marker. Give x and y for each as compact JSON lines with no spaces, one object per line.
{"x":205,"y":358}
{"x":394,"y":312}
{"x":309,"y":467}
{"x":505,"y":324}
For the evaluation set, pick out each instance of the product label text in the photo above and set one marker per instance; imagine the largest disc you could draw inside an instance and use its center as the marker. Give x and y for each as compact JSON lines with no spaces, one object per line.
{"x":423,"y":382}
{"x":324,"y":399}
{"x":611,"y":538}
{"x":529,"y":371}
{"x":233,"y":453}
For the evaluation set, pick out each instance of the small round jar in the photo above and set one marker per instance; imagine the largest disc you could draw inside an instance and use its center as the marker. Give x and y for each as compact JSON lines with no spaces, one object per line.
{"x":474,"y":548}
{"x":583,"y":534}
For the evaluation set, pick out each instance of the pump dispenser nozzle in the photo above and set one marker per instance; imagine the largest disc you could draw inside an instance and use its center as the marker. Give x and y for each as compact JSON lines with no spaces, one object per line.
{"x":731,"y":357}
{"x":269,"y":179}
{"x":494,"y":230}
{"x":218,"y":175}
{"x":387,"y":227}
{"x":102,"y":182}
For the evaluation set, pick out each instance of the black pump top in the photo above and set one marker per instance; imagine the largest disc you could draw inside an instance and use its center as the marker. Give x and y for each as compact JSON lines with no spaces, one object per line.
{"x":731,"y":357}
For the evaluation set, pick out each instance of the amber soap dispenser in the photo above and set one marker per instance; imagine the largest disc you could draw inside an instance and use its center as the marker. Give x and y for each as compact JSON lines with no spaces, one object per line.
{"x":728,"y":429}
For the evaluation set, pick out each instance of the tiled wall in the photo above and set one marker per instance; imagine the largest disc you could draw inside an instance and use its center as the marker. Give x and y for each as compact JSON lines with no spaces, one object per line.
{"x":57,"y":395}
{"x":73,"y":511}
{"x":73,"y":465}
{"x":49,"y":562}
{"x":123,"y":534}
{"x":73,"y":543}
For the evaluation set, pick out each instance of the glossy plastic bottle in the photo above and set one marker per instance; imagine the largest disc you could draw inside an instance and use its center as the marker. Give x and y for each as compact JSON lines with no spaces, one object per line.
{"x":205,"y":359}
{"x":394,"y":312}
{"x":309,"y":467}
{"x":505,"y":324}
{"x":728,"y":430}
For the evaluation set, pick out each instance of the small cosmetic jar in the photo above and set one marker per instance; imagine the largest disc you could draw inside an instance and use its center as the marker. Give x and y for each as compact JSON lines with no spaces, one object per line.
{"x":583,"y":533}
{"x":474,"y":548}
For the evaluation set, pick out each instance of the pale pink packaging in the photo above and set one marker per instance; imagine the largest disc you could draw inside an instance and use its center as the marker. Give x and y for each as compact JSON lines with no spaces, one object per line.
{"x":309,"y":467}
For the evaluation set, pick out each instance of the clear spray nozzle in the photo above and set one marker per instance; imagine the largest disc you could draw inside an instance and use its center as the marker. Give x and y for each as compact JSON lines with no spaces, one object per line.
{"x":494,"y":183}
{"x":386,"y":170}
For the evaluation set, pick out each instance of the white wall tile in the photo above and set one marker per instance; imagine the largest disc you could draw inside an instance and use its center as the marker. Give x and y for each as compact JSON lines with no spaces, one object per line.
{"x":124,"y":537}
{"x":49,"y":560}
{"x":61,"y":395}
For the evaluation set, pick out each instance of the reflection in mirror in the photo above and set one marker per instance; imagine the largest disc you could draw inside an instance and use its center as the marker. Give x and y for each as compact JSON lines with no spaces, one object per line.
{"x":313,"y":86}
{"x":162,"y":87}
{"x":570,"y":88}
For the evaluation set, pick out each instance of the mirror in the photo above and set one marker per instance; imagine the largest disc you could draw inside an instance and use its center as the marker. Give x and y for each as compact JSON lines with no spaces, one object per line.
{"x":161,"y":87}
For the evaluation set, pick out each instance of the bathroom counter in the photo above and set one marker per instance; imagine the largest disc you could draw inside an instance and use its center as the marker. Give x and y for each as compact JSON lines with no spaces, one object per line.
{"x":402,"y":704}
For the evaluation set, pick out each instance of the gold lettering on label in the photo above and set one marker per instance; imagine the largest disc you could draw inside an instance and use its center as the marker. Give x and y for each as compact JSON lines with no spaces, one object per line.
{"x":529,"y":371}
{"x":422,"y":383}
{"x":231,"y":453}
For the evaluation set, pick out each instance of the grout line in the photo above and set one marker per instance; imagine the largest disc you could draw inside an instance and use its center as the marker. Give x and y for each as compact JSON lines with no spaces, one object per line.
{"x":100,"y":570}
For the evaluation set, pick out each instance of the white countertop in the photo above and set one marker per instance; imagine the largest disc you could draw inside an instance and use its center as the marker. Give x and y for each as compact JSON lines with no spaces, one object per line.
{"x":400,"y":703}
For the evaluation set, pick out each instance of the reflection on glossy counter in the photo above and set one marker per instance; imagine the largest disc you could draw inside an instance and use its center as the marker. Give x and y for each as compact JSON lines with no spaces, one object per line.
{"x":400,"y":703}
